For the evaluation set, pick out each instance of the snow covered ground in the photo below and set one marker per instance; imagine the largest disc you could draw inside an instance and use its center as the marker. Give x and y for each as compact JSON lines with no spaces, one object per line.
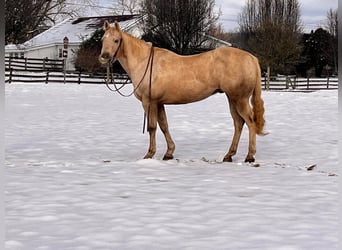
{"x":76,"y":180}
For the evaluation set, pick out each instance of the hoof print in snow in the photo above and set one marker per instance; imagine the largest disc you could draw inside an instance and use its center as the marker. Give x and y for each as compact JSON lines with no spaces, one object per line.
{"x":204,"y":159}
{"x":310,"y":168}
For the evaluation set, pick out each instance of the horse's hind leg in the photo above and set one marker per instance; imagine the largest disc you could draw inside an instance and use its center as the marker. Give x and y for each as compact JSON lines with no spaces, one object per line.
{"x":162,"y":120}
{"x":244,"y":109}
{"x":238,"y":125}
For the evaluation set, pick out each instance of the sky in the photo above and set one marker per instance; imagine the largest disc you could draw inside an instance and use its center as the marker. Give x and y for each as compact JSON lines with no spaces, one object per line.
{"x":313,"y":12}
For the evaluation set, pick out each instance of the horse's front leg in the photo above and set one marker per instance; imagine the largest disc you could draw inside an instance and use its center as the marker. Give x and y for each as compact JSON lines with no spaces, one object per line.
{"x":151,"y":111}
{"x":162,"y":120}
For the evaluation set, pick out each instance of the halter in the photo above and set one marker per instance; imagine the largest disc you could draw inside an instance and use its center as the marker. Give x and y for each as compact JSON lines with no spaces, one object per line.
{"x":117,"y":50}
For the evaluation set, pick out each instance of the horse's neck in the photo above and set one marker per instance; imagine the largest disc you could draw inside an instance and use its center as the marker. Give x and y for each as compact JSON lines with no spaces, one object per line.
{"x":136,"y":53}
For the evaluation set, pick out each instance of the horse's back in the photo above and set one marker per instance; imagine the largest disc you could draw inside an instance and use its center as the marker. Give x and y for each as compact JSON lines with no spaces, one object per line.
{"x":234,"y":57}
{"x":195,"y":77}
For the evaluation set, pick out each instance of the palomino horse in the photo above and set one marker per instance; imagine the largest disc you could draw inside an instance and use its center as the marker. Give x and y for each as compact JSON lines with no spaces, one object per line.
{"x":161,"y":77}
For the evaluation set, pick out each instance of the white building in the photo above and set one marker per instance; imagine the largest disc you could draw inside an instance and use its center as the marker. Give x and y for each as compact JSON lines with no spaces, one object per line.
{"x":49,"y":44}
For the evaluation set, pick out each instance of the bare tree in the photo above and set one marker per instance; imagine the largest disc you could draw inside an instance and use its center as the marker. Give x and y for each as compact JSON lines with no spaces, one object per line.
{"x":331,"y":26}
{"x":127,"y":7}
{"x":179,"y":25}
{"x":272,"y":31}
{"x":24,"y":19}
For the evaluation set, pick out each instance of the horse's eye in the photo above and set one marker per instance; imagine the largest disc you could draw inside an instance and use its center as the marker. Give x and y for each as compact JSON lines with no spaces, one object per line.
{"x":116,"y":40}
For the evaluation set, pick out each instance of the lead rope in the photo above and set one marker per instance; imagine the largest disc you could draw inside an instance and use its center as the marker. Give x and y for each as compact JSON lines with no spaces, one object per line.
{"x":110,"y":78}
{"x":149,"y":94}
{"x":116,"y":89}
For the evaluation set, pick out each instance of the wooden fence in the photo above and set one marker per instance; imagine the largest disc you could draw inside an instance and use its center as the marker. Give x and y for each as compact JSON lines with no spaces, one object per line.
{"x":33,"y":64}
{"x":294,"y":83}
{"x":31,"y":70}
{"x":61,"y":77}
{"x":36,"y":70}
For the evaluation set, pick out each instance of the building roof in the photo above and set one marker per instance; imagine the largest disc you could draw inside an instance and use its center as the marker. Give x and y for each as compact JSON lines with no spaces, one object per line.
{"x":218,"y":41}
{"x":77,"y":30}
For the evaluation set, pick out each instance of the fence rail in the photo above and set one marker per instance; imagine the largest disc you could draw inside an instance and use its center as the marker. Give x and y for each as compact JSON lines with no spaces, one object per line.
{"x":33,"y":64}
{"x":294,"y":83}
{"x":83,"y":78}
{"x":33,"y":70}
{"x":61,"y":77}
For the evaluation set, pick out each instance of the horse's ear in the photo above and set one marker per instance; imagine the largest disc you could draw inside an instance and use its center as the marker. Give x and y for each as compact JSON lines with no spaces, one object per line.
{"x":106,"y":25}
{"x":117,"y":26}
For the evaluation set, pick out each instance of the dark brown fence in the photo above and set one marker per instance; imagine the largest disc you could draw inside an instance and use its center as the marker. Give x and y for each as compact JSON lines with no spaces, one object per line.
{"x":36,"y":70}
{"x":12,"y":76}
{"x":33,"y":64}
{"x":33,"y":70}
{"x":294,"y":83}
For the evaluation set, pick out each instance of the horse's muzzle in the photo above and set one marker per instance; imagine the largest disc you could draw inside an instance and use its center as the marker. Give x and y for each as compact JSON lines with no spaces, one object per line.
{"x":104,"y":58}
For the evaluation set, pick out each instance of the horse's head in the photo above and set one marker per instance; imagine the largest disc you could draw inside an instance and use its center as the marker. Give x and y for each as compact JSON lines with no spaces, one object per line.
{"x":111,"y":43}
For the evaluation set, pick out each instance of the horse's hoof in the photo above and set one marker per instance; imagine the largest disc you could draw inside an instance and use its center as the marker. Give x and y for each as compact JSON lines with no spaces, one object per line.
{"x":250,"y":159}
{"x":227,"y":159}
{"x":148,"y":156}
{"x":167,"y":157}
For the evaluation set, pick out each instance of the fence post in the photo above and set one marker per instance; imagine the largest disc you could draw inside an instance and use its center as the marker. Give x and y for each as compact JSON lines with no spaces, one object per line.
{"x":44,"y":64}
{"x":265,"y":81}
{"x":286,"y":82}
{"x":10,"y":76}
{"x":307,"y":82}
{"x":47,"y":77}
{"x":64,"y":69}
{"x":328,"y":81}
{"x":25,"y":63}
{"x":268,"y":77}
{"x":79,"y":77}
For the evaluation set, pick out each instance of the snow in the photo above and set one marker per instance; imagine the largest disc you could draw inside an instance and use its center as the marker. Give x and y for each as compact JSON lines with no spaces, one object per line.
{"x":76,"y":180}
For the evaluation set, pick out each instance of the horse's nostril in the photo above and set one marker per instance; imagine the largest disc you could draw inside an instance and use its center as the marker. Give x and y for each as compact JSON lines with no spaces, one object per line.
{"x":105,"y":55}
{"x":104,"y":58}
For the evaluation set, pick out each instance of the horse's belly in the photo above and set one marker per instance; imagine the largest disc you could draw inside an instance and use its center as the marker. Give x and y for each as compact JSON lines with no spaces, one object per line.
{"x":182,"y":95}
